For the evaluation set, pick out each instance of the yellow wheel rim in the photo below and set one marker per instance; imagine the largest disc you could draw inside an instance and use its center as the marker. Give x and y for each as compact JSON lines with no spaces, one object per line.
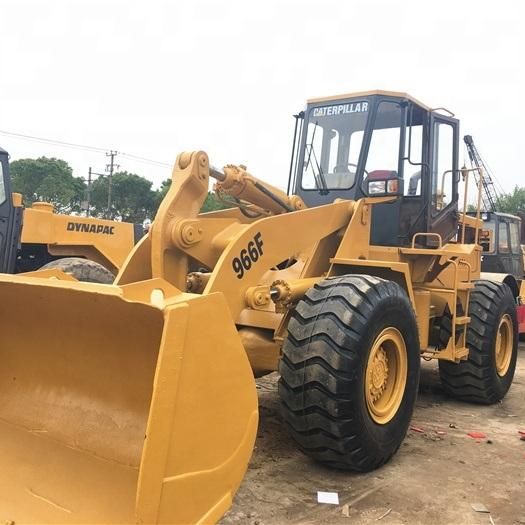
{"x":504,"y":345}
{"x":386,"y":375}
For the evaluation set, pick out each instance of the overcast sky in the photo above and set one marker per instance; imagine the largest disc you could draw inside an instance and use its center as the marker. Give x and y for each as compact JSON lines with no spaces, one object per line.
{"x":154,"y":78}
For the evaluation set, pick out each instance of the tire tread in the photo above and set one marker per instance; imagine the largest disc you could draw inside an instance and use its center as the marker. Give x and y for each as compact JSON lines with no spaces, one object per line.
{"x":319,"y":365}
{"x":474,"y":380}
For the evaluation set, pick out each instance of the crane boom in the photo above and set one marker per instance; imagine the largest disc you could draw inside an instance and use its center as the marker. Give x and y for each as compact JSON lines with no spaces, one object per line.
{"x":489,"y":195}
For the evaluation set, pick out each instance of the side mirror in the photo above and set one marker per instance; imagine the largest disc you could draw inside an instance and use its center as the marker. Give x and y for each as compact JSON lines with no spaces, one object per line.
{"x":387,"y":187}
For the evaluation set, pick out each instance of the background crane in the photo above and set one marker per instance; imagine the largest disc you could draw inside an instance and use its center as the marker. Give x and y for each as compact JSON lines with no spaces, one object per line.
{"x":489,"y":195}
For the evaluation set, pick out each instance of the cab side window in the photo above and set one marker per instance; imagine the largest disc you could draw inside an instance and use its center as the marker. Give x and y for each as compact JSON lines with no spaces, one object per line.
{"x":443,"y":163}
{"x":503,"y":238}
{"x":412,"y":168}
{"x":514,"y":237}
{"x":383,"y":153}
{"x":2,"y":185}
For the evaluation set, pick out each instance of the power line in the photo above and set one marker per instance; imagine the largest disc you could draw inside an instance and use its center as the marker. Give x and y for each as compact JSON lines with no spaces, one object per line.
{"x":52,"y":141}
{"x":83,"y":147}
{"x":145,"y":159}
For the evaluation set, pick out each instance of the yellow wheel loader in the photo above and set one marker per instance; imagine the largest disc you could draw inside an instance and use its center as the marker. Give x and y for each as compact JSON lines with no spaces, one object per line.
{"x":36,"y":238}
{"x":136,"y":402}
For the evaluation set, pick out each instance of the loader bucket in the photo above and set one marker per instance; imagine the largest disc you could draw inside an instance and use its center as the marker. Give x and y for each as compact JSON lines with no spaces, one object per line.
{"x":118,"y":405}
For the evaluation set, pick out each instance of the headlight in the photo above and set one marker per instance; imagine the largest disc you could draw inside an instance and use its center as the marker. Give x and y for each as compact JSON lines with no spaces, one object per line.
{"x":376,"y":187}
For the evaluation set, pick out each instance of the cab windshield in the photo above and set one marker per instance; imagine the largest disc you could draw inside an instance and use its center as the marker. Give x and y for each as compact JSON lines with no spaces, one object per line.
{"x":487,"y":236}
{"x":334,"y":137}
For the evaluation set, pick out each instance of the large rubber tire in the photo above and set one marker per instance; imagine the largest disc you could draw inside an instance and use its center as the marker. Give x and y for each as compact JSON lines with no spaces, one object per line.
{"x":322,"y":387}
{"x":82,"y":269}
{"x":477,"y":379}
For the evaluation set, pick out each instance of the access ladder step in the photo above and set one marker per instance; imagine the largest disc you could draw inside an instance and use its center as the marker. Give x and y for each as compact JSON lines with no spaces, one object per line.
{"x":462,"y":319}
{"x":462,"y":353}
{"x":465,"y":286}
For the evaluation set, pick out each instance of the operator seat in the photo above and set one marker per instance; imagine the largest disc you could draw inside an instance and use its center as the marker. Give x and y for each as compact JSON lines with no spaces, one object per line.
{"x":341,"y":178}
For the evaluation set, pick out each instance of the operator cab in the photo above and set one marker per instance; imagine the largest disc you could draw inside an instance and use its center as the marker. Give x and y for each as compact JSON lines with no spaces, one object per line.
{"x":347,"y":142}
{"x":500,"y":240}
{"x":10,"y":219}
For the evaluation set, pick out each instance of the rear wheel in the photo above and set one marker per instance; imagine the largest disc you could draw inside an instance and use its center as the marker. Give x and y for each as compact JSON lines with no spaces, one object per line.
{"x":82,"y":269}
{"x":350,"y":371}
{"x":492,"y":339}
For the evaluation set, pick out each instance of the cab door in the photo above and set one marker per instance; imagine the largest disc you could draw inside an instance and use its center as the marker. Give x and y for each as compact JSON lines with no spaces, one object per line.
{"x":503,"y":249}
{"x":515,"y":247}
{"x":8,"y":237}
{"x":444,"y":176}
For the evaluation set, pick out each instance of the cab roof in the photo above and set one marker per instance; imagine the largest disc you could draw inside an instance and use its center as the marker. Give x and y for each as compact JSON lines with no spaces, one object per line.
{"x":497,"y":213}
{"x":367,"y":94}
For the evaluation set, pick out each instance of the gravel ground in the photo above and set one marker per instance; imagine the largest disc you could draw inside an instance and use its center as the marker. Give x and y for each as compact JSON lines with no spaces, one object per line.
{"x":436,"y":476}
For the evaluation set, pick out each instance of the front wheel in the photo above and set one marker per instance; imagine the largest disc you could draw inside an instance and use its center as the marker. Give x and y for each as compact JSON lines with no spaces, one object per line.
{"x":350,"y":371}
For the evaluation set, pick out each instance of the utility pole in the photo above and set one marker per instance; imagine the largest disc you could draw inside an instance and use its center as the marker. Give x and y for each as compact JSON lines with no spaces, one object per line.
{"x":110,"y":168}
{"x":87,"y":205}
{"x":88,"y":193}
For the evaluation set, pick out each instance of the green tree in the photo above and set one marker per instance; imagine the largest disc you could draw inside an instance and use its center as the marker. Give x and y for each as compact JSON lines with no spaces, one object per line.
{"x":50,"y":180}
{"x":132,"y":199}
{"x":212,"y":203}
{"x":512,"y":202}
{"x":161,"y":192}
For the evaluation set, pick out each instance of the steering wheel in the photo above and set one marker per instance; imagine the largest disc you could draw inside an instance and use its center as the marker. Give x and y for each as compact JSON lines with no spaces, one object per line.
{"x":346,"y":165}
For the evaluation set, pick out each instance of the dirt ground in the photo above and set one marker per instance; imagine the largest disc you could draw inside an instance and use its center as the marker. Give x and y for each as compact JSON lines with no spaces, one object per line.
{"x":434,"y":478}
